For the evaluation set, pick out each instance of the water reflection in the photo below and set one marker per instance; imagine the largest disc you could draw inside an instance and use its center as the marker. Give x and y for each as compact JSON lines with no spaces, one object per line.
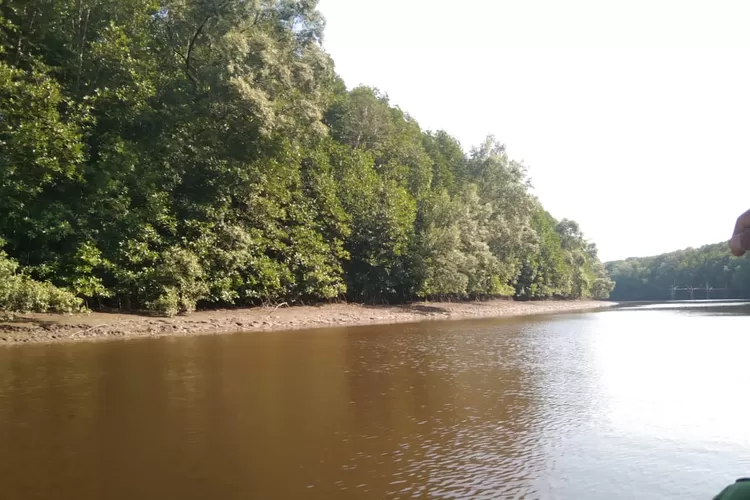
{"x":632,"y":403}
{"x":702,"y":307}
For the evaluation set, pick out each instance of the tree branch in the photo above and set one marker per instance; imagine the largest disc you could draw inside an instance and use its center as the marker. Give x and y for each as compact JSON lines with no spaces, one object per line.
{"x":19,"y":46}
{"x":189,"y":55}
{"x":191,"y":44}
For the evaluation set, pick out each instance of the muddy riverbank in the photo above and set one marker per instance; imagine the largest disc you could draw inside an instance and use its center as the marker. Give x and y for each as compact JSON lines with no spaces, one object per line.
{"x":45,"y":328}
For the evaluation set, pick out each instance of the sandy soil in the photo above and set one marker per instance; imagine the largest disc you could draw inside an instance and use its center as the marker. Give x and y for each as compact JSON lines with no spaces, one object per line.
{"x":46,"y":328}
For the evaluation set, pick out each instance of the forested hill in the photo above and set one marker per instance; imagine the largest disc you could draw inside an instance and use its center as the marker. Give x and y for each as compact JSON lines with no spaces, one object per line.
{"x":654,"y":278}
{"x":161,"y":154}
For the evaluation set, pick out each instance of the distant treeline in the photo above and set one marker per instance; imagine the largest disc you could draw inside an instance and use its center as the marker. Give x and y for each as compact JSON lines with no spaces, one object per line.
{"x":161,"y":153}
{"x":654,"y":278}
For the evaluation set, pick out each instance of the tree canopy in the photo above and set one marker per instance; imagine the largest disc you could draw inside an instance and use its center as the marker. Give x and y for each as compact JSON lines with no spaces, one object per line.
{"x":710,"y":271}
{"x":162,"y":154}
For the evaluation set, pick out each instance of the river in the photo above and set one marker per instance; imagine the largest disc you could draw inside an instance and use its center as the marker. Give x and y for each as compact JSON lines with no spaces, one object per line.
{"x":647,"y":402}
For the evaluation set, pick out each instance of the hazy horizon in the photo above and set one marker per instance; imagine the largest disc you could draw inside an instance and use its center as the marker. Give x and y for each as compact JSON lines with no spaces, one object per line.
{"x":638,"y":109}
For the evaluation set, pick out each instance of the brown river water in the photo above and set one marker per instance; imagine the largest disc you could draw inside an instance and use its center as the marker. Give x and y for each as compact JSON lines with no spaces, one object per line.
{"x":647,"y":402}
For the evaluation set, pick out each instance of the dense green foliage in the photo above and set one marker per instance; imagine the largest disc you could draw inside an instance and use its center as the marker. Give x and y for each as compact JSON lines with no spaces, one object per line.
{"x":165,"y":153}
{"x":19,"y":293}
{"x":654,"y":278}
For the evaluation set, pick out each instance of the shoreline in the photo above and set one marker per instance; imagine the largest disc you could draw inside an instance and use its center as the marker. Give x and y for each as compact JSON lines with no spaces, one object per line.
{"x":53,"y":328}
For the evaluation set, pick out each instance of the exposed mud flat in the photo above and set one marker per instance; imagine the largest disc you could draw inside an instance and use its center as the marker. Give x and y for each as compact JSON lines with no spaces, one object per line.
{"x":46,"y":328}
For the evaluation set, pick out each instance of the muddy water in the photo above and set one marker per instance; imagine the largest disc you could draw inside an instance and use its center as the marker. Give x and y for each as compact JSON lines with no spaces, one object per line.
{"x":648,"y":402}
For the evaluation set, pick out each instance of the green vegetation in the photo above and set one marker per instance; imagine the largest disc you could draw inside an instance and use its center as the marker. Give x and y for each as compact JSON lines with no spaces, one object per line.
{"x":160,"y":154}
{"x":653,"y":278}
{"x":19,"y":293}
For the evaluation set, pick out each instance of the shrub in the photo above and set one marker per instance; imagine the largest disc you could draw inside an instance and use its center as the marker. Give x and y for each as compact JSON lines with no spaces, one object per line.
{"x":21,"y":294}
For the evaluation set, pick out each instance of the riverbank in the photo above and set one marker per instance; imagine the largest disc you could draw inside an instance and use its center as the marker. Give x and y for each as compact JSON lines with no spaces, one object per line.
{"x":48,"y":328}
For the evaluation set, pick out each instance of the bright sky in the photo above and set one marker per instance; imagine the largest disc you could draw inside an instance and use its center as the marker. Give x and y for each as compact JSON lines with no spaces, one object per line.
{"x":632,"y":116}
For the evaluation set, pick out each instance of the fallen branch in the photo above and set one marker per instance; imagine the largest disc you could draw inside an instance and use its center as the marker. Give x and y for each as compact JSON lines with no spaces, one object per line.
{"x":74,"y":334}
{"x":275,"y":308}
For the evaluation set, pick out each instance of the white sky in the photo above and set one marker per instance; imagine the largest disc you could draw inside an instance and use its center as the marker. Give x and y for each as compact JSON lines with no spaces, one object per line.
{"x":632,"y":116}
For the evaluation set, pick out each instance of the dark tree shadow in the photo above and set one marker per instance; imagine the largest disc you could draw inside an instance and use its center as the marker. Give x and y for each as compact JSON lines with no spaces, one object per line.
{"x":424,"y":309}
